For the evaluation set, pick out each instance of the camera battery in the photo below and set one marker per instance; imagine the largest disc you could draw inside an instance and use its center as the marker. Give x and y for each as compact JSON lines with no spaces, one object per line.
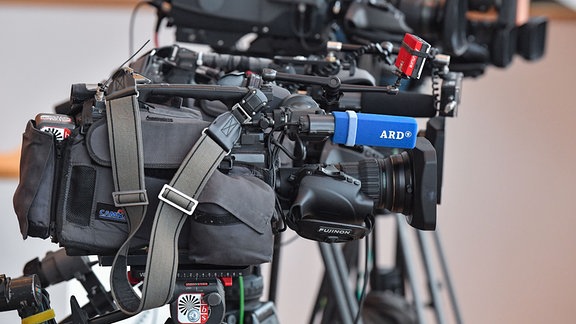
{"x":412,"y":55}
{"x":59,"y":125}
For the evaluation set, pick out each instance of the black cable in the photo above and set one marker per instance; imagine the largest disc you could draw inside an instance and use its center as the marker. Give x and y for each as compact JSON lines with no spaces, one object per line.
{"x":131,"y":26}
{"x":290,"y":240}
{"x":45,"y":304}
{"x":366,"y":278}
{"x":280,"y":212}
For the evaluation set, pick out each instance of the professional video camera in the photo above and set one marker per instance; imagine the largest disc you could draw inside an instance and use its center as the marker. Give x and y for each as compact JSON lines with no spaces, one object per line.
{"x":475,"y":33}
{"x":116,"y":146}
{"x":188,"y":166}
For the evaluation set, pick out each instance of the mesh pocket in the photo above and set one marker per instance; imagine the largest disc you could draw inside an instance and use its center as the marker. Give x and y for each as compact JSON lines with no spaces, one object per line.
{"x":80,"y":195}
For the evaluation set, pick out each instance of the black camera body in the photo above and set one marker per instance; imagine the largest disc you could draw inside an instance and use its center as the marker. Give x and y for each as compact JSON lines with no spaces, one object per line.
{"x":187,"y":166}
{"x":324,"y":202}
{"x":282,"y":27}
{"x":283,"y":144}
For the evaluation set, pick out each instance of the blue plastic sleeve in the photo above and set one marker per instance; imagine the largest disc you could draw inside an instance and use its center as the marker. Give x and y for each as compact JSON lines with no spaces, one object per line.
{"x":352,"y":127}
{"x":375,"y":130}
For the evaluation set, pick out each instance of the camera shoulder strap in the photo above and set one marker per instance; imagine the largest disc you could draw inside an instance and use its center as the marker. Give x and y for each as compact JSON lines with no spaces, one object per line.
{"x":177,"y":200}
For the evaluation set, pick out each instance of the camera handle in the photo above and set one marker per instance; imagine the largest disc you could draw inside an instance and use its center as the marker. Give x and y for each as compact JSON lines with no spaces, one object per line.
{"x":332,"y":85}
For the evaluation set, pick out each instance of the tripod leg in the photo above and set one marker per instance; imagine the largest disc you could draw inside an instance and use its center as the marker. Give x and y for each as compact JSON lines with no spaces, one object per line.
{"x":78,"y":316}
{"x":345,"y":259}
{"x":321,"y":299}
{"x":444,"y":266}
{"x":344,"y":279}
{"x":274,"y":268}
{"x":410,"y":267}
{"x":431,"y":276}
{"x":335,"y":279}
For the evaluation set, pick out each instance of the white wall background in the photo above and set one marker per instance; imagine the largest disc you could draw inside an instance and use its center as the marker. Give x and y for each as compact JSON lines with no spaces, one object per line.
{"x":506,"y":220}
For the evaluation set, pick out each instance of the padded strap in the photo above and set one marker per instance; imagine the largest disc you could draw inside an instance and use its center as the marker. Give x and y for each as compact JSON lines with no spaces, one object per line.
{"x":178,"y":199}
{"x":126,"y":153}
{"x":173,"y":209}
{"x":127,"y":161}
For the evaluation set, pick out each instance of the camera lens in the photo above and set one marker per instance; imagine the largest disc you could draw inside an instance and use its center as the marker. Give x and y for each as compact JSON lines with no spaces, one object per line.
{"x":403,"y":183}
{"x":388,"y":181}
{"x":444,"y":20}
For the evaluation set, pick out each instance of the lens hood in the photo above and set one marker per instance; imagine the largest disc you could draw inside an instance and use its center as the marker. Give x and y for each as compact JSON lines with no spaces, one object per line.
{"x":425,"y":170}
{"x":454,"y":26}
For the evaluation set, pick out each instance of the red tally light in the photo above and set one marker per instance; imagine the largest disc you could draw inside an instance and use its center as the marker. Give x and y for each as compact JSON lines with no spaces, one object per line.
{"x":412,"y":55}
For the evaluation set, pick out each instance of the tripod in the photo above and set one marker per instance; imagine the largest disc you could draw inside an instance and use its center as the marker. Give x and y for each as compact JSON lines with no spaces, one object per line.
{"x":392,"y":305}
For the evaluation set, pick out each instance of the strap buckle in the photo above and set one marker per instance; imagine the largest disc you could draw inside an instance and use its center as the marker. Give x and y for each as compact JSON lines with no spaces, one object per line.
{"x":240,"y":113}
{"x":135,"y":197}
{"x":189,"y":199}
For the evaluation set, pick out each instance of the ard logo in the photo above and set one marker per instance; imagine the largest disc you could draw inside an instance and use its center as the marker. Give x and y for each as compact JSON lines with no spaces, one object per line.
{"x":396,"y":135}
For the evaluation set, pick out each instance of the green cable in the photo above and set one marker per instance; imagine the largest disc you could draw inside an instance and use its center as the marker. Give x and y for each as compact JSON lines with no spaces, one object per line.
{"x":241,"y":302}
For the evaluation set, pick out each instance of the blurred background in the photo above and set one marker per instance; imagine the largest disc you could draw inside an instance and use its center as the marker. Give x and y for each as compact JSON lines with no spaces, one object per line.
{"x":506,"y":220}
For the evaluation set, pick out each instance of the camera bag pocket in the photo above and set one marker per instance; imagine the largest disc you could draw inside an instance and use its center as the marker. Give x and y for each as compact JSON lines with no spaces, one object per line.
{"x":232,"y":224}
{"x":33,"y":196}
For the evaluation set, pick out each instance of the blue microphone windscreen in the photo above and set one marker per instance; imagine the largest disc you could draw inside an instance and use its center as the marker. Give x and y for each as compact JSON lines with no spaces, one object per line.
{"x":353,"y":128}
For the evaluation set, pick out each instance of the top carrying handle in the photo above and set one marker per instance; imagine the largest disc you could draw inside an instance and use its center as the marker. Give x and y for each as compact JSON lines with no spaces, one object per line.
{"x":178,"y":199}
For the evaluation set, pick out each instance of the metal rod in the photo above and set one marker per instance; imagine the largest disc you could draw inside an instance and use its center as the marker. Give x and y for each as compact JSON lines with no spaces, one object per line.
{"x":319,"y":298}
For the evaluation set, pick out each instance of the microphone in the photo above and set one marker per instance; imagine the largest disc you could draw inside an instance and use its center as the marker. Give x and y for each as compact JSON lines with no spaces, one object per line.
{"x":351,"y":128}
{"x":402,"y":104}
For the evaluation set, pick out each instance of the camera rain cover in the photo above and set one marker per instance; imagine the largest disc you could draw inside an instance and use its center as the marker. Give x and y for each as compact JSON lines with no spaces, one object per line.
{"x":232,"y":225}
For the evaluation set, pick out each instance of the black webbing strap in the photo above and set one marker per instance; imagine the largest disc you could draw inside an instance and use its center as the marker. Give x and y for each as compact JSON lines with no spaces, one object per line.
{"x":177,"y":200}
{"x":423,"y":52}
